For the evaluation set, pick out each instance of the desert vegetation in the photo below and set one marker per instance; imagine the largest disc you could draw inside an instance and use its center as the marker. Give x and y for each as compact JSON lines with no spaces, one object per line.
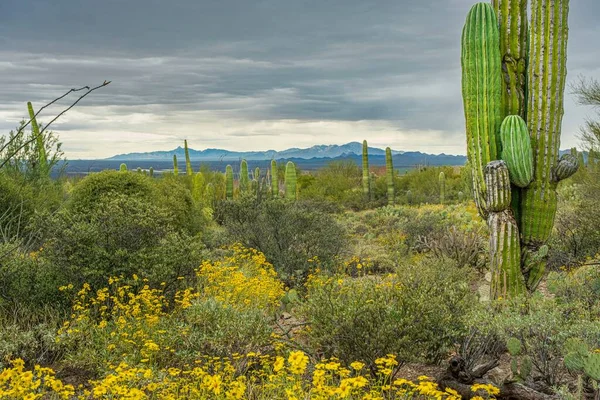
{"x":352,"y":281}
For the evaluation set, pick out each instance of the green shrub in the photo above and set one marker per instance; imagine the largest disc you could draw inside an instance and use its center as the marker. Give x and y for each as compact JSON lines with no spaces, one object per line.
{"x":29,"y":336}
{"x":221,"y":330}
{"x":408,"y":313}
{"x":579,"y":286}
{"x":542,"y":327}
{"x":289,"y":234}
{"x":125,"y":235}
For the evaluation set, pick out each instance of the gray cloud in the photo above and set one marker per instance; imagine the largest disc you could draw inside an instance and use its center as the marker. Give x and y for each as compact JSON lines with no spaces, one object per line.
{"x":294,"y":73}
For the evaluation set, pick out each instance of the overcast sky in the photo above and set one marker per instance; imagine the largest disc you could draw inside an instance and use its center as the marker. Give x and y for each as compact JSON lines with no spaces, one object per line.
{"x":253,"y":75}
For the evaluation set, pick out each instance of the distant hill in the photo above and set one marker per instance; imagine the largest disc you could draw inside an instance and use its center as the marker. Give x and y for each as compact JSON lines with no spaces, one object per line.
{"x":319,"y":151}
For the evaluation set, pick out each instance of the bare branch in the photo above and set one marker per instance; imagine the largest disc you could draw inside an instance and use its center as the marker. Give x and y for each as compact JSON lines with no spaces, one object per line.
{"x":33,"y":138}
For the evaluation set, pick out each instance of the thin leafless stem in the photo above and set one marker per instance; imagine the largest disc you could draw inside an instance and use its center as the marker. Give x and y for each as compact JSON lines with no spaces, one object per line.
{"x":33,"y":138}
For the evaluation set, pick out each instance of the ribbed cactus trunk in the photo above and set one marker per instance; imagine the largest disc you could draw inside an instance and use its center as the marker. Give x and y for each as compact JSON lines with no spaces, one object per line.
{"x":42,"y":158}
{"x":389,"y":175}
{"x":366,"y":184}
{"x":442,"y":179}
{"x":228,"y":182}
{"x":507,"y":279}
{"x":274,"y":180}
{"x":188,"y":163}
{"x":290,"y":181}
{"x":546,"y":84}
{"x":175,"y":166}
{"x":244,"y":178}
{"x":529,"y":66}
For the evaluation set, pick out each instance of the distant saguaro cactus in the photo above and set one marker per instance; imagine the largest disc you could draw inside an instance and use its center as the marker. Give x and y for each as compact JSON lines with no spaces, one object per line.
{"x":244,"y":178}
{"x":290,"y":181}
{"x":188,"y":163}
{"x":365,"y":171}
{"x":151,"y":172}
{"x":228,"y":182}
{"x":175,"y":166}
{"x":442,"y":179}
{"x":389,"y":173}
{"x":40,"y":146}
{"x":274,"y":179}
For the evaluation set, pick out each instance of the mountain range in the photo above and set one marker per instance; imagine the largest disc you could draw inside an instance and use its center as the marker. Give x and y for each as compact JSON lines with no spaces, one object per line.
{"x":318,"y":151}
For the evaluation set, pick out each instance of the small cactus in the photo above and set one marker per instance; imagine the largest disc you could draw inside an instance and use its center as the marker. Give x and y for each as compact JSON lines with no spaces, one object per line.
{"x":123,"y":167}
{"x":151,"y":171}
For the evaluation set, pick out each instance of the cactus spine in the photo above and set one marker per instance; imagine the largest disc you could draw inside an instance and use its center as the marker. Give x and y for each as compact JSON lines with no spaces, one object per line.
{"x":42,"y":158}
{"x":274,"y":179}
{"x":365,"y":171}
{"x":290,"y":181}
{"x":123,"y":167}
{"x":175,"y":166}
{"x":229,"y":182}
{"x":244,"y":179}
{"x":389,"y":174}
{"x":188,"y":163}
{"x":496,"y":44}
{"x":442,"y":179}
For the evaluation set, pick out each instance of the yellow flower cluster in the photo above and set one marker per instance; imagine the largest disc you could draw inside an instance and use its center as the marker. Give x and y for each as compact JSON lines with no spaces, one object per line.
{"x":255,"y":376}
{"x":244,"y":280}
{"x":121,"y":319}
{"x":18,"y":383}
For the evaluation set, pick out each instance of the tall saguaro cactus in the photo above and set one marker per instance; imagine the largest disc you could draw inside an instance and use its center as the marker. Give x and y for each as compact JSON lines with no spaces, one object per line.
{"x":290,"y":181}
{"x":366,"y":182}
{"x":42,"y":158}
{"x":175,"y":166}
{"x":274,"y":179}
{"x":389,"y":175}
{"x":228,"y":182}
{"x":442,"y":179}
{"x":513,"y":83}
{"x":244,"y":179}
{"x":188,"y":163}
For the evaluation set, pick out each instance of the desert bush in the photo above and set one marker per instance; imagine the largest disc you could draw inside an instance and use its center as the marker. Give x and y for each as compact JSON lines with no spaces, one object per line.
{"x":28,"y":280}
{"x":125,"y":235}
{"x":578,"y":286}
{"x":408,"y":313}
{"x":466,"y":248}
{"x":288,"y":234}
{"x":30,"y":336}
{"x":541,"y":327}
{"x":577,"y":227}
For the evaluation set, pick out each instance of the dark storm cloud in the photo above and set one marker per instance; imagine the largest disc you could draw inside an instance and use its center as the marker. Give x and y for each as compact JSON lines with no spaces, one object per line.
{"x":268,"y":60}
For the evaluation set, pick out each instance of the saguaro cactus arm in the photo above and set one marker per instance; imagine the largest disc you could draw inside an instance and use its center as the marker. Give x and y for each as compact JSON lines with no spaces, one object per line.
{"x":482,"y":93}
